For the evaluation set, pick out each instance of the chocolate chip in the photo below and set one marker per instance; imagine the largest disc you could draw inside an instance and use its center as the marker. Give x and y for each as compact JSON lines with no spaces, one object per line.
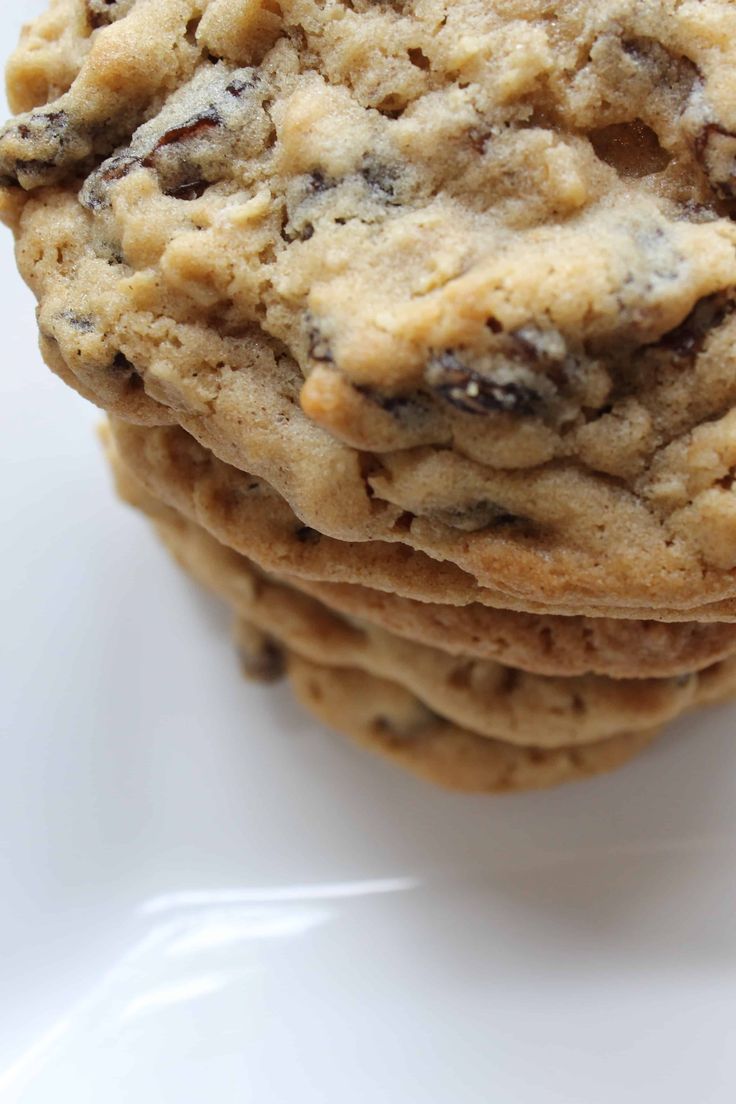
{"x":499,"y":386}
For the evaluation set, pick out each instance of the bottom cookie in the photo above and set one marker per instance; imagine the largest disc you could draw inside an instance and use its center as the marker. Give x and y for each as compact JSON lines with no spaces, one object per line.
{"x":380,"y":715}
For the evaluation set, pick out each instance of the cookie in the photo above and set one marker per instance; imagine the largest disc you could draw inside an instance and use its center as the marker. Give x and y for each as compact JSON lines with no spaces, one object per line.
{"x":383,"y":717}
{"x":488,"y":698}
{"x":462,"y":279}
{"x":49,"y":55}
{"x":245,"y":514}
{"x":544,"y":645}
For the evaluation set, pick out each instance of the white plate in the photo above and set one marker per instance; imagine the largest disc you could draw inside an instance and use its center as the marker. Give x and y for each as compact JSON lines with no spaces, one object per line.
{"x":207,"y":897}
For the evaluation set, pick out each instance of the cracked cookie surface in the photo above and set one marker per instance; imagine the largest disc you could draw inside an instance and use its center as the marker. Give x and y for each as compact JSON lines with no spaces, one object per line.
{"x":457,"y":275}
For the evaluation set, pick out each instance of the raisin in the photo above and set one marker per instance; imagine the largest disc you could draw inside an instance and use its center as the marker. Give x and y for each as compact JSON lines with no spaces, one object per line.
{"x":305,"y":535}
{"x":665,"y":69}
{"x":241,"y":85}
{"x":33,"y":168}
{"x":504,"y":387}
{"x":687,"y":339}
{"x":261,"y":658}
{"x":188,"y":191}
{"x":318,"y":182}
{"x":46,"y":135}
{"x":418,"y":58}
{"x":479,"y":138}
{"x":100,"y":13}
{"x":392,"y":106}
{"x":631,"y":149}
{"x":319,"y":348}
{"x":79,"y":322}
{"x":124,"y":370}
{"x":306,"y":193}
{"x":382,"y":180}
{"x":692,"y":211}
{"x":93,"y":195}
{"x":388,"y":731}
{"x":474,"y":516}
{"x":406,"y":409}
{"x":118,"y":167}
{"x":189,"y":183}
{"x":51,"y":125}
{"x":187,"y":156}
{"x":191,"y":128}
{"x":510,"y":680}
{"x":715,"y":149}
{"x":543,"y":347}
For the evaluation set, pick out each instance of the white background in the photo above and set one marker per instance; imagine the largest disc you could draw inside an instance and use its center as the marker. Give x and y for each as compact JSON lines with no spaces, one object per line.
{"x":205,"y":896}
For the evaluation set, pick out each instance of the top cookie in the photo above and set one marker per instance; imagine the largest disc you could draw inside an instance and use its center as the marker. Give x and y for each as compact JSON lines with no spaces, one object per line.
{"x":462,"y":272}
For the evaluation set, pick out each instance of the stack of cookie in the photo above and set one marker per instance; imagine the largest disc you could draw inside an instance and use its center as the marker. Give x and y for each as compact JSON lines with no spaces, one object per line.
{"x":415,"y":323}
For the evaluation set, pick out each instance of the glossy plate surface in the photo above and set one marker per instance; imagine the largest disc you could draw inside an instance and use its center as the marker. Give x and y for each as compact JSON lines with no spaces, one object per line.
{"x":207,"y":897}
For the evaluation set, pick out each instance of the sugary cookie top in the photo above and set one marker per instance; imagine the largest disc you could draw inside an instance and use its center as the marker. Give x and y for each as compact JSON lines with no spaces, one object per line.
{"x":499,"y":228}
{"x":474,"y":197}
